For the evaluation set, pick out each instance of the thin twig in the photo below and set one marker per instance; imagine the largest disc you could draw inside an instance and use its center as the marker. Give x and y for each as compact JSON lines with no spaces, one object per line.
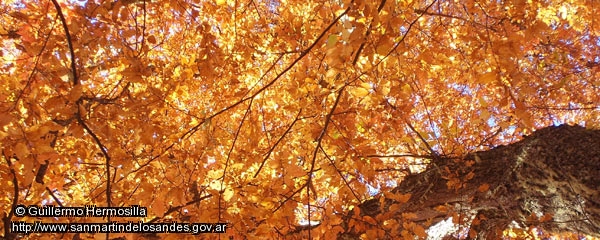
{"x":368,"y":33}
{"x":235,"y":138}
{"x":429,"y":148}
{"x":341,"y":175}
{"x":176,"y":208}
{"x":106,"y":158}
{"x":276,"y":143}
{"x":195,"y":128}
{"x":54,"y":197}
{"x":290,"y":197}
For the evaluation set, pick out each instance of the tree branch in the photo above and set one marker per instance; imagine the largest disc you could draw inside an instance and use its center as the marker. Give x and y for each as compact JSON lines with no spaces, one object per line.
{"x":407,"y":31}
{"x":173,"y":209}
{"x":69,"y":41}
{"x":106,"y":158}
{"x":314,"y":157}
{"x":341,"y":175}
{"x":235,"y":138}
{"x":398,"y":156}
{"x":362,"y":45}
{"x":6,"y":219}
{"x":54,"y":197}
{"x":290,"y":197}
{"x":194,"y":129}
{"x":276,"y":143}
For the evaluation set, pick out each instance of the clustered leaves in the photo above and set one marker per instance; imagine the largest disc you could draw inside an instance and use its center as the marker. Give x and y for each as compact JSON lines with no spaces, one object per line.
{"x":266,"y":114}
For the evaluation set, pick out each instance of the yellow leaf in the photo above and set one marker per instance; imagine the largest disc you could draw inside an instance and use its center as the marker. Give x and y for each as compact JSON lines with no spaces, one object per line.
{"x":485,"y":115}
{"x":359,"y":92}
{"x":227,"y":194}
{"x":487,"y":77}
{"x":194,"y":122}
{"x":237,"y":166}
{"x":331,"y":41}
{"x":221,"y":2}
{"x":309,"y":80}
{"x":365,"y":85}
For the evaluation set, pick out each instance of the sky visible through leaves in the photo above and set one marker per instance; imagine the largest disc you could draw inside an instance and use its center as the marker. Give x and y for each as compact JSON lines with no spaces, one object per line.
{"x":265,"y":114}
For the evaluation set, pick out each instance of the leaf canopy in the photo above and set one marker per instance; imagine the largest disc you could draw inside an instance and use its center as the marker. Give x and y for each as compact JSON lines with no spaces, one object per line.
{"x":269,"y":114}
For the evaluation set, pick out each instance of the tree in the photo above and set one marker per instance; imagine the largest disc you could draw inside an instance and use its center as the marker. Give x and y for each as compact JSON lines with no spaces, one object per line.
{"x":544,"y":185}
{"x":274,"y":116}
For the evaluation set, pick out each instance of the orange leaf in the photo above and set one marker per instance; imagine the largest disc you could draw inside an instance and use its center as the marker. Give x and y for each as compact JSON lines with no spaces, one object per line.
{"x":5,"y":118}
{"x":394,"y":207}
{"x":369,"y":220}
{"x":470,"y":176}
{"x":441,"y":208}
{"x":152,"y":39}
{"x":420,"y":231}
{"x":21,"y":150}
{"x":472,"y":233}
{"x":399,"y":197}
{"x":295,"y":170}
{"x":409,"y":215}
{"x":547,"y":217}
{"x":75,"y":93}
{"x":158,"y":208}
{"x":483,"y":187}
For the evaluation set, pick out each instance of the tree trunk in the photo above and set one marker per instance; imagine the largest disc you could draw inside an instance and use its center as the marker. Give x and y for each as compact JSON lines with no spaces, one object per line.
{"x":549,"y":180}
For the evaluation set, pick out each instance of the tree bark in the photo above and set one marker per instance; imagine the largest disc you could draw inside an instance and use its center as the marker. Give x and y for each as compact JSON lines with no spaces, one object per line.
{"x":549,"y":180}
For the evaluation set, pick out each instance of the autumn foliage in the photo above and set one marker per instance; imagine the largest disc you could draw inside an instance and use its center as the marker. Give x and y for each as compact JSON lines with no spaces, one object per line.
{"x":267,"y":114}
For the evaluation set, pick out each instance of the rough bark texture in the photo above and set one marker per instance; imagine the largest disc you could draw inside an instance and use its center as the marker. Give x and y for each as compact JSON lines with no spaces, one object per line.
{"x":553,"y":172}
